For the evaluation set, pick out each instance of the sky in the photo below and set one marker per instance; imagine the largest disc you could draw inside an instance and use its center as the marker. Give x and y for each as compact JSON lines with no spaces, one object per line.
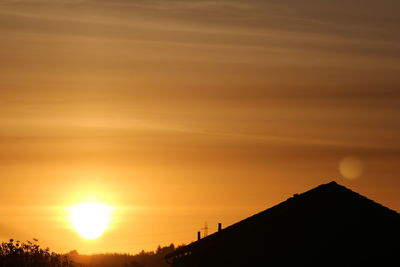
{"x":178,"y":113}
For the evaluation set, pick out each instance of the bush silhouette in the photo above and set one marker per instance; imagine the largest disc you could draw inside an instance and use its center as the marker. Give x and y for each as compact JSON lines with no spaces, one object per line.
{"x":30,"y":254}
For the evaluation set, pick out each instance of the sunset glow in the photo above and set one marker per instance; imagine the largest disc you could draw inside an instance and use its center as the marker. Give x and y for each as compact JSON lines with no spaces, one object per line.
{"x":128,"y":124}
{"x":90,"y":220}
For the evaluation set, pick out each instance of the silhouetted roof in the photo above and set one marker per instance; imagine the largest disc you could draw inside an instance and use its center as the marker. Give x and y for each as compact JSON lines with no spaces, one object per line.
{"x":316,"y":218}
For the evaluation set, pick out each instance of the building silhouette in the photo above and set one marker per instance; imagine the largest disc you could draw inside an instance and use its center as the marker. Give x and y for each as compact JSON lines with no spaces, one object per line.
{"x":329,"y":225}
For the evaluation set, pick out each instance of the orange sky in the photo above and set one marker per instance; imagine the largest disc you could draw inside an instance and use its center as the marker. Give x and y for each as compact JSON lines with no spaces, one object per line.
{"x":181,"y":112}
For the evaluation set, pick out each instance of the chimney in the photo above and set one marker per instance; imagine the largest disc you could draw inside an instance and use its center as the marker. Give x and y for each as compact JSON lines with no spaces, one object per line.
{"x":219,"y":227}
{"x":198,"y":235}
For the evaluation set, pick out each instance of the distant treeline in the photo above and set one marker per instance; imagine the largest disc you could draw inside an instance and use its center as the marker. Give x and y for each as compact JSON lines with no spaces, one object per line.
{"x":30,"y":254}
{"x":143,"y":259}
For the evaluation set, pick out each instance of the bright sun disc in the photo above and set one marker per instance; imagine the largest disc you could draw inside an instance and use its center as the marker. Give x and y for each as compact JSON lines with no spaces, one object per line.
{"x":90,"y":220}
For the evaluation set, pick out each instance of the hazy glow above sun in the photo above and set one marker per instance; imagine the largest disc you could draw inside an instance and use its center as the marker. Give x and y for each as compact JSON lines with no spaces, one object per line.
{"x":90,"y":220}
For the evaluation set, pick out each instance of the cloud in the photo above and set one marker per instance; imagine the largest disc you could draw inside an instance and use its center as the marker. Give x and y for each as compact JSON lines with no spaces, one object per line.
{"x":310,"y":28}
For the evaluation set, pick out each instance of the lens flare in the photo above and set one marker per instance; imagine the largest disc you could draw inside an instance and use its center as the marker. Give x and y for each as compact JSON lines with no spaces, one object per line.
{"x":351,"y":167}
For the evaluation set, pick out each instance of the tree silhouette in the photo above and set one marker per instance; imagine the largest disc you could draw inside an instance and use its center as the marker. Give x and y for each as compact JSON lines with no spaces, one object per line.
{"x":30,"y":254}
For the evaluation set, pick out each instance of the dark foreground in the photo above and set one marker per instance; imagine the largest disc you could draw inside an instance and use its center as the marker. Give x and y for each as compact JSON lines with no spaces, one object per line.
{"x":327,"y":226}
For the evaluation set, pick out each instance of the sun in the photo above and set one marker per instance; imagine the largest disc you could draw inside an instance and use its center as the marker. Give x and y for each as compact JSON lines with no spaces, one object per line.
{"x":90,"y":220}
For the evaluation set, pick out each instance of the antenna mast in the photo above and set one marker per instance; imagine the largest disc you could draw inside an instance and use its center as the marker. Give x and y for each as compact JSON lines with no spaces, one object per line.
{"x":205,"y":229}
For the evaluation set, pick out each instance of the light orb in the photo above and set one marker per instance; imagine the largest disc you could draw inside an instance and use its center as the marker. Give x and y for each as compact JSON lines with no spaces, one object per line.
{"x":351,"y":167}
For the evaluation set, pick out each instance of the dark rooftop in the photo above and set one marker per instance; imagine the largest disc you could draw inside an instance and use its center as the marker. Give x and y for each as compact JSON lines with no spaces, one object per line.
{"x":314,"y":219}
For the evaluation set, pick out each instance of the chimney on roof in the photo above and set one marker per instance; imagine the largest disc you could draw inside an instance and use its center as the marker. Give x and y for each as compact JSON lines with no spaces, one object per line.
{"x":219,"y":227}
{"x":198,"y":235}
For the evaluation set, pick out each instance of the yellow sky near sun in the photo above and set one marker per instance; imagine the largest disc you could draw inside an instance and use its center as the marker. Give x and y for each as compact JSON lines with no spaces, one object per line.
{"x":181,"y":112}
